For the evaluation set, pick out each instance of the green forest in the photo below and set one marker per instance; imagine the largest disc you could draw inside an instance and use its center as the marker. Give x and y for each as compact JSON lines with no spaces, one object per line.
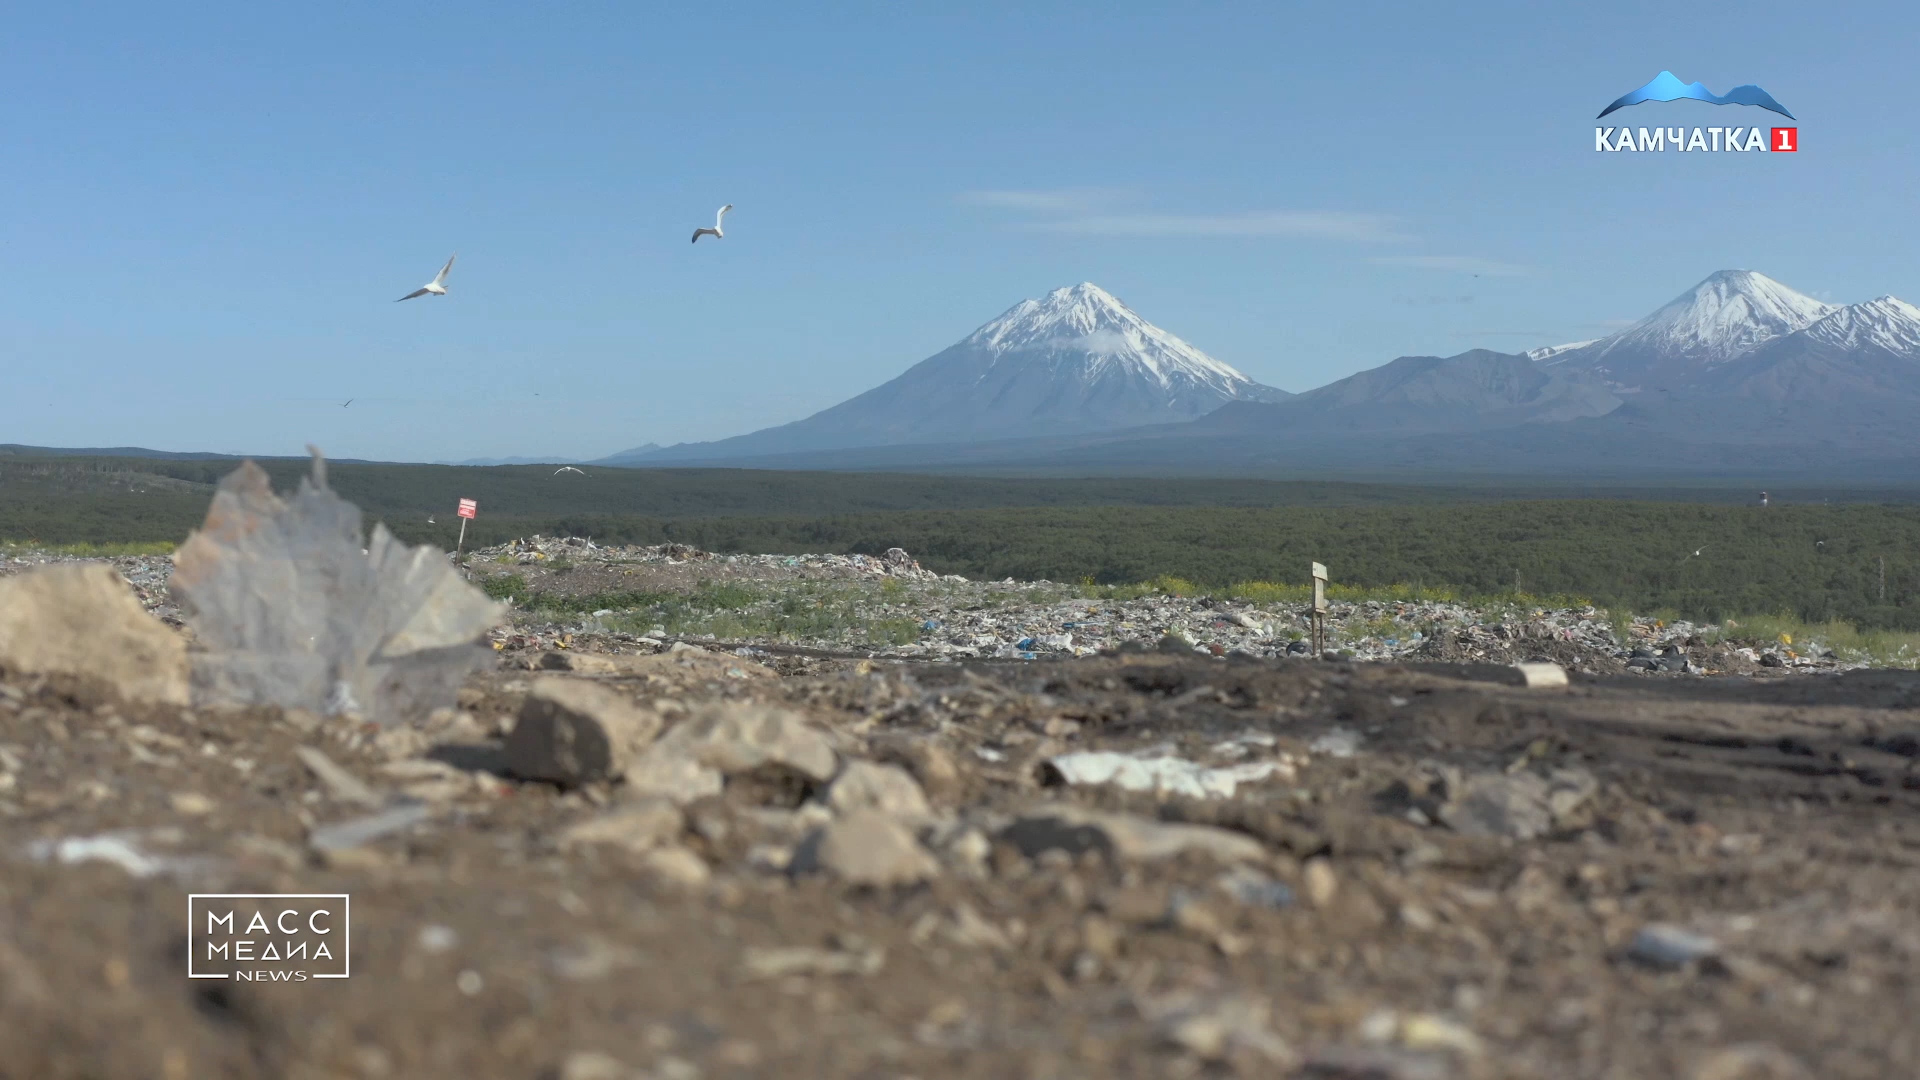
{"x":1853,"y":560}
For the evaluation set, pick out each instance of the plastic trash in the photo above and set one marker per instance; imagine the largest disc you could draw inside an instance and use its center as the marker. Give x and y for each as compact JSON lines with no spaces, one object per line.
{"x":1161,"y":775}
{"x":292,"y":611}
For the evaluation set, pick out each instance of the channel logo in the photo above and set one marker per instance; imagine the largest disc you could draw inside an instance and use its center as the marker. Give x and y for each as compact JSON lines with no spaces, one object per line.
{"x":1667,"y":87}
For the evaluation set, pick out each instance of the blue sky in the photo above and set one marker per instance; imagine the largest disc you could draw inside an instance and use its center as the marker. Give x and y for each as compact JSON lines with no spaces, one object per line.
{"x":210,"y":210}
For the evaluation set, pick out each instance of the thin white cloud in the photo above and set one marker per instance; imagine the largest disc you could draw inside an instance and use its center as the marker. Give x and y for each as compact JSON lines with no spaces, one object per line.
{"x":1063,"y":201}
{"x":1315,"y":225}
{"x":1105,"y":212}
{"x":1459,"y":264}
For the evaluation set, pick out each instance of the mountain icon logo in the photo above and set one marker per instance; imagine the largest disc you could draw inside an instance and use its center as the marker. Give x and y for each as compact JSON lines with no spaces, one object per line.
{"x":1668,"y":87}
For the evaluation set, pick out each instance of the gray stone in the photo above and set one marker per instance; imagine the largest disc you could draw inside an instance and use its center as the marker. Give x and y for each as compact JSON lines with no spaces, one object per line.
{"x":738,"y":737}
{"x":863,"y":785}
{"x":866,"y":847}
{"x":1663,"y":945}
{"x":573,"y":732}
{"x":1521,"y":806}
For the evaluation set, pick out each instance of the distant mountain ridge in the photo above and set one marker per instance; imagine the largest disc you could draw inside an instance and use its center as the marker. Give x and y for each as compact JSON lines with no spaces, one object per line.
{"x":1074,"y":361}
{"x":1738,"y":373}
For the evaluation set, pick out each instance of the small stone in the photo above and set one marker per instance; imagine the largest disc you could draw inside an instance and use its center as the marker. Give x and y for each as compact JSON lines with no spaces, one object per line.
{"x":1542,"y":675}
{"x":866,"y":848}
{"x":863,"y":785}
{"x":970,"y":849}
{"x":1663,"y":945}
{"x":191,"y":804}
{"x":1320,"y":881}
{"x":470,"y":983}
{"x":1417,"y":918}
{"x":593,"y":1065}
{"x":636,"y":826}
{"x":737,"y":737}
{"x":783,"y":962}
{"x":1254,"y":889}
{"x":677,"y":867}
{"x":1425,"y":1031}
{"x":1752,"y":1061}
{"x":437,"y":938}
{"x":573,"y":733}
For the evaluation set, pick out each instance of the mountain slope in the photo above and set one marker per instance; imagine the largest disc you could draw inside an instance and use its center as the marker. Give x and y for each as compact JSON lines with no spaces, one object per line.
{"x":1077,"y":360}
{"x":1475,"y":390}
{"x":1723,"y":317}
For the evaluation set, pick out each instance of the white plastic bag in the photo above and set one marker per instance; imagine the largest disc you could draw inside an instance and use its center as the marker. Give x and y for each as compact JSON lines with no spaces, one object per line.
{"x":292,"y":611}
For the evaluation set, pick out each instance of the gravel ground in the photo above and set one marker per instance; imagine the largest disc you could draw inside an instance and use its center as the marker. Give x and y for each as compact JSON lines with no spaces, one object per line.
{"x":638,"y":858}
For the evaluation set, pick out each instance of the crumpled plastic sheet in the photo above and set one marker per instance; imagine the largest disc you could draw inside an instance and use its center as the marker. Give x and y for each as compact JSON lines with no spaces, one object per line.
{"x":1161,"y":775}
{"x":292,"y":611}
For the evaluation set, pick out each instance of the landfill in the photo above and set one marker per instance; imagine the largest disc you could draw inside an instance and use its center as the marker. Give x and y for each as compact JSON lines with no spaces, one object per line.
{"x":953,"y":618}
{"x":706,"y":816}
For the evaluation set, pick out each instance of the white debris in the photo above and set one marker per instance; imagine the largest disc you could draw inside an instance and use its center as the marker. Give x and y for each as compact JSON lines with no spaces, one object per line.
{"x":1161,"y":775}
{"x":294,"y":612}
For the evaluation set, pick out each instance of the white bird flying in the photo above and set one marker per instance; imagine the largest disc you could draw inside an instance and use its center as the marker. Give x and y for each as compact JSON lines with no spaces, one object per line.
{"x":567,"y":468}
{"x":715,"y":231}
{"x":438,"y":286}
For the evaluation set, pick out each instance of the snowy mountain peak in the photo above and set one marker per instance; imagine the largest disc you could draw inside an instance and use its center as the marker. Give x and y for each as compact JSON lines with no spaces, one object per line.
{"x":1087,"y":321}
{"x":1548,"y":352}
{"x":1885,"y":323}
{"x":1727,"y":314}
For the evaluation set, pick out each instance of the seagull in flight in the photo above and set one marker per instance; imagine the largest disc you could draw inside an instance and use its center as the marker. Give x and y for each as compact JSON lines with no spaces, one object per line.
{"x":715,"y":231}
{"x":567,"y":468}
{"x":350,"y":401}
{"x":429,"y":520}
{"x":438,"y":286}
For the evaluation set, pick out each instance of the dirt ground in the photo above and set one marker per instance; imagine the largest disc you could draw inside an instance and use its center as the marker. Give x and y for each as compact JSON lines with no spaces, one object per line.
{"x":1454,"y":876}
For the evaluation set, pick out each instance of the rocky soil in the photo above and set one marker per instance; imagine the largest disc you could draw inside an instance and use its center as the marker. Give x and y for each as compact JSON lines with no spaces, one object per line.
{"x":639,"y":858}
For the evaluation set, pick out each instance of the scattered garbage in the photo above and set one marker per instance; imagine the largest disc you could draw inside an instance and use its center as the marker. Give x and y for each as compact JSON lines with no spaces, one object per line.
{"x":1161,"y":775}
{"x":292,"y":611}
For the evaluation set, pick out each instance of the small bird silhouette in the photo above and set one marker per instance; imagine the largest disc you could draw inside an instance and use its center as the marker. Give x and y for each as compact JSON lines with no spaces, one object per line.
{"x":567,"y":468}
{"x":348,"y":402}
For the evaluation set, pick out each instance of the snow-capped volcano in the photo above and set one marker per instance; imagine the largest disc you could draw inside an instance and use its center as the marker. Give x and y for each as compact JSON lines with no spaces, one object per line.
{"x":1729,"y":314}
{"x":1074,"y":361}
{"x":1088,"y":328}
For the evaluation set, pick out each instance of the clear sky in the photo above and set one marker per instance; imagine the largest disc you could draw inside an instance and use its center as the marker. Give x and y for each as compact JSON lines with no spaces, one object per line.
{"x":209,"y":210}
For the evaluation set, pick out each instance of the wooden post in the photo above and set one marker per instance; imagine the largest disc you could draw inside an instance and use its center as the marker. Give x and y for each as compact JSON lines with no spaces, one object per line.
{"x":462,"y":542}
{"x":1319,"y":609}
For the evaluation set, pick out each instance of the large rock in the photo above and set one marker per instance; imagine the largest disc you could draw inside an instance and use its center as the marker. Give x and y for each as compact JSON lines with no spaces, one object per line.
{"x":80,"y":619}
{"x":573,"y":732}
